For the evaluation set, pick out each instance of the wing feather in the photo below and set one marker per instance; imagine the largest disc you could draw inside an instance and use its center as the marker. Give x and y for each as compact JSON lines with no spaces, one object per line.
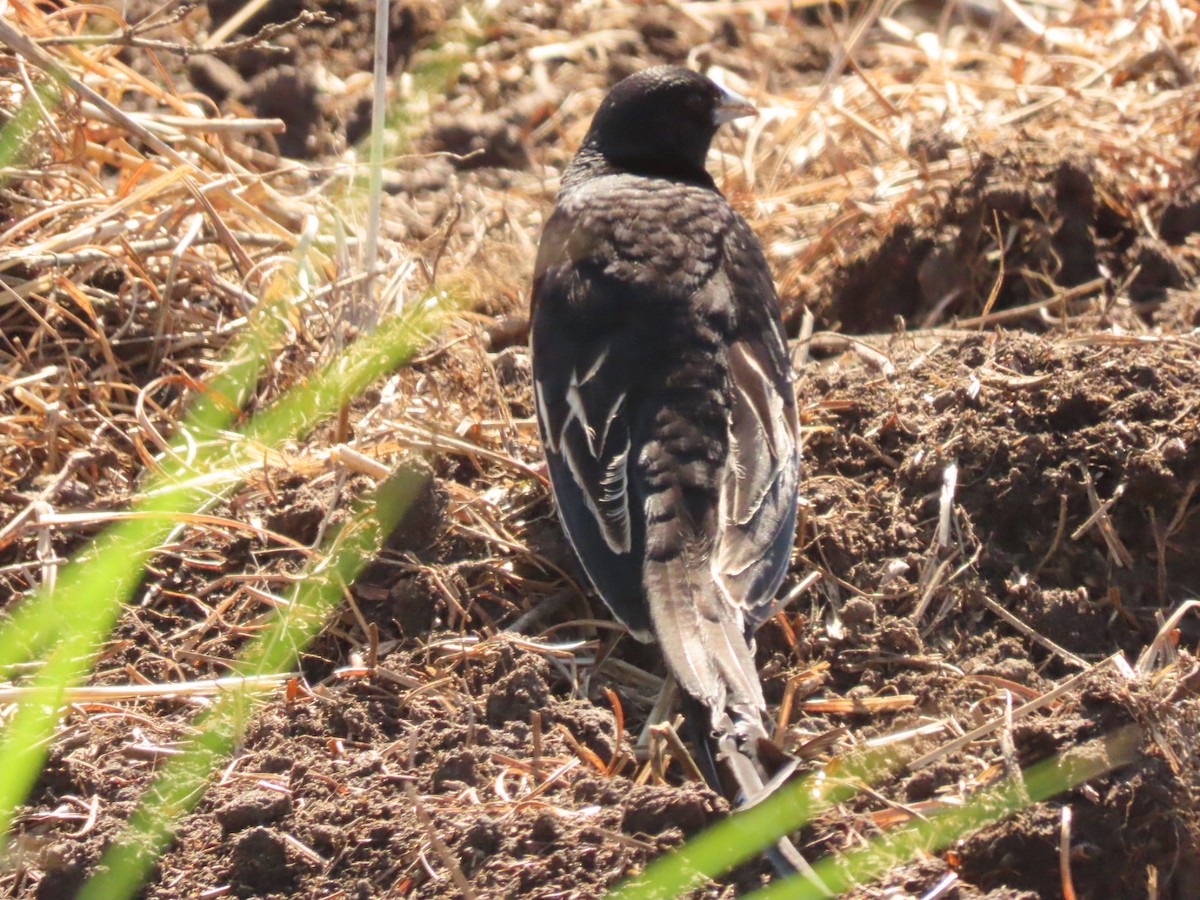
{"x":587,"y":430}
{"x":758,"y":492}
{"x":582,"y":392}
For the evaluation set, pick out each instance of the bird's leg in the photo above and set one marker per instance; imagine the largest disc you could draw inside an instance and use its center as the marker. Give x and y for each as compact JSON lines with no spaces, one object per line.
{"x":659,"y":723}
{"x":552,"y":603}
{"x":668,"y":698}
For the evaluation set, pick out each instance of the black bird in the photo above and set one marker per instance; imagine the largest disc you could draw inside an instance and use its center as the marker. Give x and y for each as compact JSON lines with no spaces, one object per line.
{"x":665,"y":403}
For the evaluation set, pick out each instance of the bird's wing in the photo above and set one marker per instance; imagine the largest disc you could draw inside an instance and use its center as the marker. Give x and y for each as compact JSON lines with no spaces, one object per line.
{"x":582,"y":370}
{"x":582,"y":415}
{"x":758,"y":492}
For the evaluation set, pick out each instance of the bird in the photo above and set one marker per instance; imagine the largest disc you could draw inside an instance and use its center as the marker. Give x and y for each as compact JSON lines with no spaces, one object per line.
{"x":665,"y":404}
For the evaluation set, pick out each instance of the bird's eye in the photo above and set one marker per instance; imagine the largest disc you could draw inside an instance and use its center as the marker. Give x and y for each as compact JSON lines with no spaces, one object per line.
{"x":696,"y":103}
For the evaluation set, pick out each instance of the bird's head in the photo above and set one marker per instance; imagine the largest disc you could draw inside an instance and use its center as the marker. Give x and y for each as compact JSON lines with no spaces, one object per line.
{"x":661,"y":121}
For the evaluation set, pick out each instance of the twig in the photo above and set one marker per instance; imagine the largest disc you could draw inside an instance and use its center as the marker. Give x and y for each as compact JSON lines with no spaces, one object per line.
{"x":946,"y":883}
{"x":107,"y":693}
{"x":439,"y":846}
{"x":1148,"y":659}
{"x":1064,"y":854}
{"x":1001,"y":316}
{"x":1019,"y":713}
{"x":364,"y":312}
{"x":1059,"y":530}
{"x":22,"y":45}
{"x":1061,"y":652}
{"x":1101,"y":520}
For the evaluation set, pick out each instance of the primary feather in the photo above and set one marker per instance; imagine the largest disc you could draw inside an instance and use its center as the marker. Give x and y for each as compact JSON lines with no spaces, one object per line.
{"x":665,"y":403}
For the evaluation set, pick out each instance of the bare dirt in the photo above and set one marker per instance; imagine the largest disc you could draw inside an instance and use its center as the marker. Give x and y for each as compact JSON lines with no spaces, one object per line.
{"x":428,"y":742}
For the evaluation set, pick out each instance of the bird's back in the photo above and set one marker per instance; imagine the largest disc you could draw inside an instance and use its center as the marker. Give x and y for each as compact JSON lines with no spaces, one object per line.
{"x":651,"y":295}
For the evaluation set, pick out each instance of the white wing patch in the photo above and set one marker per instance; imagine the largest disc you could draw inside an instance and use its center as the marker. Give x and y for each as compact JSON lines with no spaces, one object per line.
{"x":760,"y":437}
{"x":591,"y":373}
{"x":615,"y":484}
{"x":578,"y":414}
{"x":596,"y":453}
{"x":550,"y":437}
{"x":760,"y":471}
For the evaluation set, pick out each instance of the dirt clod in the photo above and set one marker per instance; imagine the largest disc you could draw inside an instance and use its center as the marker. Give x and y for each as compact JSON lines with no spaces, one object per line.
{"x":259,"y":863}
{"x":252,"y":809}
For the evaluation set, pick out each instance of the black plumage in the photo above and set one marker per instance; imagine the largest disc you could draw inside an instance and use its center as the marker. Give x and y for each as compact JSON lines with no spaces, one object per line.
{"x":665,"y":402}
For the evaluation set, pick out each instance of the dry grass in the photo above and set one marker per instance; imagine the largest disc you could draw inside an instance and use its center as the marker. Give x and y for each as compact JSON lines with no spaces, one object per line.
{"x":841,"y":158}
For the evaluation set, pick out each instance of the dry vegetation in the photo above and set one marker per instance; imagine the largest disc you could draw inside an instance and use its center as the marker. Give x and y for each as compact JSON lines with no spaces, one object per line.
{"x":984,"y":219}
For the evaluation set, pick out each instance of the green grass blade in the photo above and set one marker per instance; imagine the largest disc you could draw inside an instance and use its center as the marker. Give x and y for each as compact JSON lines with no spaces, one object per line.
{"x":744,"y":834}
{"x":103,"y":575}
{"x":14,"y":137}
{"x":1038,"y":783}
{"x":82,"y":610}
{"x":125,"y":864}
{"x":75,"y":618}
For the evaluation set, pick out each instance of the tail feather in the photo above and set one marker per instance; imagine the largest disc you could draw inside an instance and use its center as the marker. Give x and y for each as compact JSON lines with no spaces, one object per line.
{"x":703,"y":639}
{"x":702,"y":636}
{"x":738,"y":773}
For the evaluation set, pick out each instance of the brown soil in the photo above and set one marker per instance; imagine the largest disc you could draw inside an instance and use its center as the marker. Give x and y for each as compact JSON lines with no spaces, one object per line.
{"x":1075,"y":439}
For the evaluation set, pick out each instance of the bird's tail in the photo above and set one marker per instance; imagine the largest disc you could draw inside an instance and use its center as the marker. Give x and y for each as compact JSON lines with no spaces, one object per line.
{"x":737,"y":769}
{"x":702,"y":637}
